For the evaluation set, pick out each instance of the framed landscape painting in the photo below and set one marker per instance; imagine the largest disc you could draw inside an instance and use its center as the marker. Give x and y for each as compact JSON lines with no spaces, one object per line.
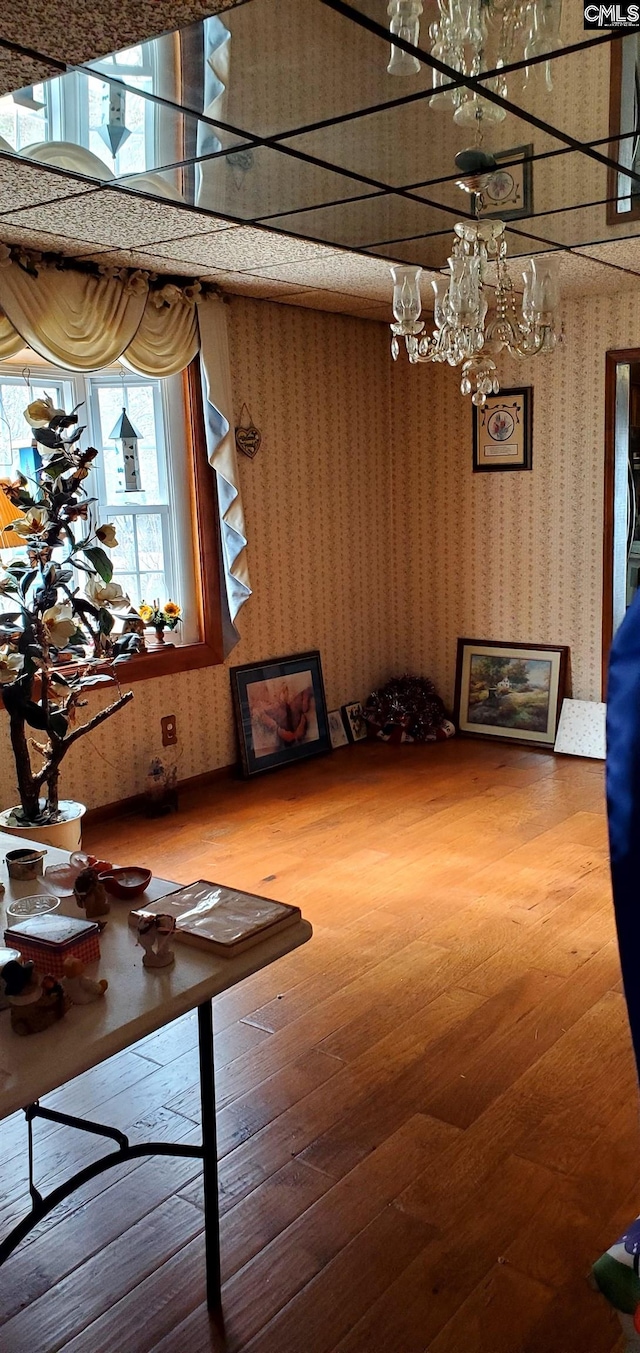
{"x":280,"y":711}
{"x":510,"y":691}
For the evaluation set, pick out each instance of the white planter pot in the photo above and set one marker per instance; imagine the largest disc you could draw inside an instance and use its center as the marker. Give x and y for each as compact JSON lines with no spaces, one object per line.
{"x":64,"y":835}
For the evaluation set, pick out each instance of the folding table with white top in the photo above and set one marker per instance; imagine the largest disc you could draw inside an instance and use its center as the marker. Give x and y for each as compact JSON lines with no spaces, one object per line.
{"x":138,"y":1002}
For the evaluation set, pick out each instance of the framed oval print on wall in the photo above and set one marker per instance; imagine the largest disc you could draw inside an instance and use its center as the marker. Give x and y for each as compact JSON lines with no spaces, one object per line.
{"x":502,"y":431}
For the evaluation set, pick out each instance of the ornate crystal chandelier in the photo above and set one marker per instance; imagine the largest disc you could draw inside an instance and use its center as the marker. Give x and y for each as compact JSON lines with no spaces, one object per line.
{"x":470,"y":36}
{"x":463,"y":336}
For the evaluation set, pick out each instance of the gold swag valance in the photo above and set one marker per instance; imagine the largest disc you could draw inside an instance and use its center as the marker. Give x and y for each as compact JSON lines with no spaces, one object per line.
{"x":83,"y":319}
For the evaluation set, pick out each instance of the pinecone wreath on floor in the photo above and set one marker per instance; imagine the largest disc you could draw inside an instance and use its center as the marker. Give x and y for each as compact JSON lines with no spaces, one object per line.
{"x":408,"y":709}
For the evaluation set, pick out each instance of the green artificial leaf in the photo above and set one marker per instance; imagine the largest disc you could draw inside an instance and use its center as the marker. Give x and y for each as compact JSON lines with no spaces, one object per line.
{"x":77,"y":563}
{"x":34,"y":714}
{"x":56,"y":467}
{"x":47,"y":437}
{"x":63,"y":420}
{"x":16,"y":567}
{"x":58,"y":723}
{"x":106,"y":620}
{"x":74,"y":436}
{"x":101,"y":562}
{"x":84,"y":606}
{"x":26,"y":581}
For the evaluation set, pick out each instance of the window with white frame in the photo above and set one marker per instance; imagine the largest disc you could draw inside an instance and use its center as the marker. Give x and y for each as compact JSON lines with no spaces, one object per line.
{"x":153,"y":559}
{"x":77,"y":107}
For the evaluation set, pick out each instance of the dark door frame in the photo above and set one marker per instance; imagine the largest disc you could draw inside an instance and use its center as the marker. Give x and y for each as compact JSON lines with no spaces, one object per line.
{"x":613,"y":358}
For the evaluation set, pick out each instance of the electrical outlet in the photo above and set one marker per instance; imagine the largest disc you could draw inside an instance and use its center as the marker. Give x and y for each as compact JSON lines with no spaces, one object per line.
{"x":169,"y":730}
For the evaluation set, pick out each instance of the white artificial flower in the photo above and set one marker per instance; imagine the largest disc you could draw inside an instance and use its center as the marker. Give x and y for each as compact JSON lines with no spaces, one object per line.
{"x":60,"y":623}
{"x":10,"y":664}
{"x":34,"y":522}
{"x":106,"y":594}
{"x":107,"y":535}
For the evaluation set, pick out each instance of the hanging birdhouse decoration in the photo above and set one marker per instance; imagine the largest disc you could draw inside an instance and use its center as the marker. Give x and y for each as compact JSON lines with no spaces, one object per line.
{"x":114,"y":131}
{"x":129,"y":472}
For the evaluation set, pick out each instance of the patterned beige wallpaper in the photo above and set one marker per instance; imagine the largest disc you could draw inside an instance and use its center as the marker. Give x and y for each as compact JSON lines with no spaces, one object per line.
{"x":317,"y":501}
{"x":513,"y":555}
{"x":370,"y":536}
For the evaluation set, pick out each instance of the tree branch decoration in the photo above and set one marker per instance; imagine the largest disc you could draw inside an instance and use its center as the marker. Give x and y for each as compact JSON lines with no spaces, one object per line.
{"x":59,"y":641}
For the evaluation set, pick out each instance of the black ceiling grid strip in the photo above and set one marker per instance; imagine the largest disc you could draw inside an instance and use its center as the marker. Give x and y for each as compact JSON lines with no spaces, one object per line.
{"x":476,"y":85}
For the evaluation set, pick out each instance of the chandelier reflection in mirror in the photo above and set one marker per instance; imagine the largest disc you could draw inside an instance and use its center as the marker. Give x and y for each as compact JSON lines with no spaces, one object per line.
{"x":463,"y":336}
{"x":470,"y":36}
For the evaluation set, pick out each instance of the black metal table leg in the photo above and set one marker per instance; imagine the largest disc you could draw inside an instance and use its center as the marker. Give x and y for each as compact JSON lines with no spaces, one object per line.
{"x":209,"y":1157}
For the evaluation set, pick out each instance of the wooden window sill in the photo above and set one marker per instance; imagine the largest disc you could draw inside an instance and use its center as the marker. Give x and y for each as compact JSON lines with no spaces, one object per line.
{"x":164,"y":661}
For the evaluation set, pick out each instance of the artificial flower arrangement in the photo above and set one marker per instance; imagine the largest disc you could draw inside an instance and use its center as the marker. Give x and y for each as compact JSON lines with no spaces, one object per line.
{"x":54,"y":622}
{"x":159,"y":618}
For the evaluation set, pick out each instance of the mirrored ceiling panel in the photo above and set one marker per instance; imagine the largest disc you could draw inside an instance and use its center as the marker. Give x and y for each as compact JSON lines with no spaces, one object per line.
{"x":94,"y":126}
{"x":291,"y":113}
{"x":414,"y":143}
{"x":359,"y":224}
{"x":269,"y":67}
{"x":258,"y":182}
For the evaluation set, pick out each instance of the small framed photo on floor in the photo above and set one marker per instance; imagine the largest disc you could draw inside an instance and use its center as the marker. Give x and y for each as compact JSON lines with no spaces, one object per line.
{"x":337,"y":730}
{"x":513,"y":692}
{"x":503,"y":431}
{"x":280,"y":711}
{"x":355,"y":723}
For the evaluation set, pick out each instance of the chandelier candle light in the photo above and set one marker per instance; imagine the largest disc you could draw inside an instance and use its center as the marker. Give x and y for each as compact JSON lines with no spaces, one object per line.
{"x":470,"y":36}
{"x":463,"y":336}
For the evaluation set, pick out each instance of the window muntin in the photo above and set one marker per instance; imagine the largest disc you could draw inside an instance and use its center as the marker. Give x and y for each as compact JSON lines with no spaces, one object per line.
{"x":154,"y":556}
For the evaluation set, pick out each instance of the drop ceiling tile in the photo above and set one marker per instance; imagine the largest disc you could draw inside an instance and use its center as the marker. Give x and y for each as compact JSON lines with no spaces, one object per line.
{"x":137,"y":258}
{"x":118,"y":218}
{"x":245,"y":284}
{"x":621,"y":253}
{"x":369,"y":277}
{"x":241,"y":247}
{"x":26,"y":185}
{"x":47,"y":242}
{"x":581,"y":274}
{"x":340,"y":302}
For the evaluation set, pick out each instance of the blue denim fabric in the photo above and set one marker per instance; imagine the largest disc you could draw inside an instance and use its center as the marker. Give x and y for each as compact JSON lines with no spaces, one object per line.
{"x":623,"y":804}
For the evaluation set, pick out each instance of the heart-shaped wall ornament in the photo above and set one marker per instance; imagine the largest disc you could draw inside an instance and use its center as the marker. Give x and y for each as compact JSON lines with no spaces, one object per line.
{"x":248,"y":436}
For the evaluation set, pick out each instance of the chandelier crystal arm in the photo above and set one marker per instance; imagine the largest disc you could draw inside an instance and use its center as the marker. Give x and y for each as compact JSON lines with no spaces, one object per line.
{"x":462,"y":335}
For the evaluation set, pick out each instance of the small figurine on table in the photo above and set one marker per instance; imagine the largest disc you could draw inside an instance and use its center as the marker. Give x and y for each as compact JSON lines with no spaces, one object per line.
{"x":81,"y":990}
{"x":154,"y":936}
{"x":91,"y":894}
{"x":36,"y":1002}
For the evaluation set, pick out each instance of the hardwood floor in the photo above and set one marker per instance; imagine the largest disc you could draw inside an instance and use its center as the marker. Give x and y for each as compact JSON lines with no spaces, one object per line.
{"x":428,"y":1115}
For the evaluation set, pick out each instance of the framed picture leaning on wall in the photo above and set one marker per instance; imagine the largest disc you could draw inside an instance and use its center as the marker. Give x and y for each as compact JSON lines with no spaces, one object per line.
{"x":510,"y":691}
{"x":503,"y":431}
{"x":280,"y":711}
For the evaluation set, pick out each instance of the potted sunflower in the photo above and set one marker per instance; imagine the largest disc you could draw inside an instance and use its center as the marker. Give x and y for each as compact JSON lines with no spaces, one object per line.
{"x":160,"y":618}
{"x":58,"y":634}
